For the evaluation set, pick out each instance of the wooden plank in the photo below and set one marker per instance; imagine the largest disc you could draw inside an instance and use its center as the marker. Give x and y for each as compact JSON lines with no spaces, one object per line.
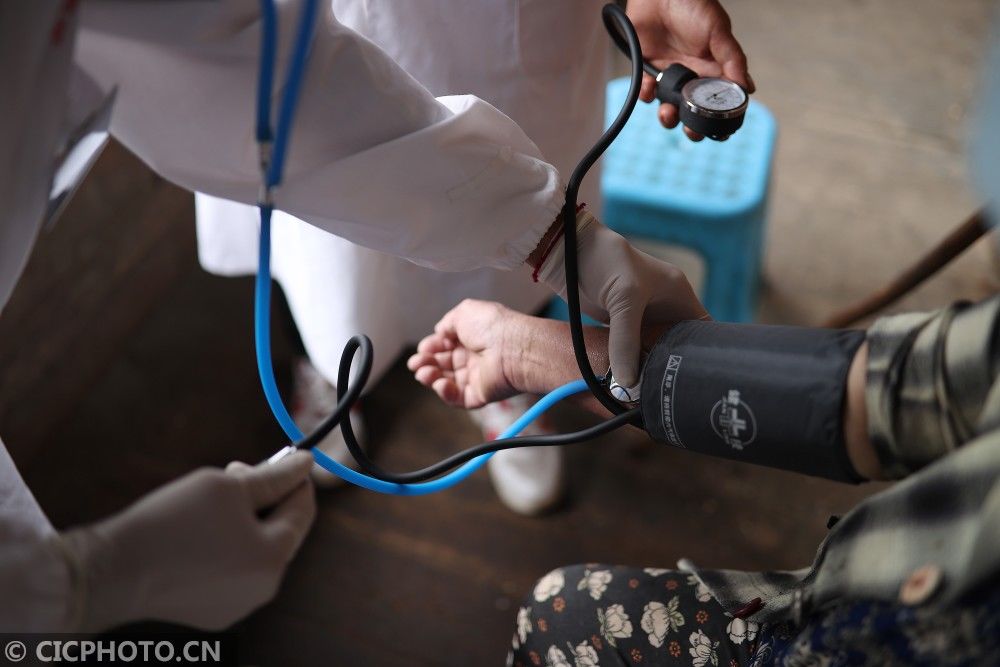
{"x":124,"y":240}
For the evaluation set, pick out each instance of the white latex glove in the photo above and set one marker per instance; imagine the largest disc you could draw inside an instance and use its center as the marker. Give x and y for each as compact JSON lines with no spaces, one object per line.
{"x":622,"y":286}
{"x":204,"y":550}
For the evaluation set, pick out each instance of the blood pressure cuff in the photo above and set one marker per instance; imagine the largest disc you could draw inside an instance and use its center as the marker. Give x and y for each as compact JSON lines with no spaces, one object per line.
{"x":768,"y":395}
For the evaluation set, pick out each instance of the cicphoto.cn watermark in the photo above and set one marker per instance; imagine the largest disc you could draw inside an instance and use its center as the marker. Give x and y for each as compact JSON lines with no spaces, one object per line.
{"x":86,"y":650}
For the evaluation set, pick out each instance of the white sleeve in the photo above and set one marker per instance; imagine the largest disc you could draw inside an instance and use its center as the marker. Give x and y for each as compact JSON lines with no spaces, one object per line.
{"x":450,"y":183}
{"x":35,"y":583}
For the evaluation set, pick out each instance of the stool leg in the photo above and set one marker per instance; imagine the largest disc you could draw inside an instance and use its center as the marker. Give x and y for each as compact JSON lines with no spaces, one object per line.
{"x":731,"y":280}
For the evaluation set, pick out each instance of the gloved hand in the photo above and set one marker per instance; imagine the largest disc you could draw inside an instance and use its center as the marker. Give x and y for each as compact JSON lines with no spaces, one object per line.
{"x":621,"y":285}
{"x":204,"y":550}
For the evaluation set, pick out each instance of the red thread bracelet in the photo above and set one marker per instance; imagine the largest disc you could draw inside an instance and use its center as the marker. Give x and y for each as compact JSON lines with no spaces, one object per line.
{"x":551,"y":245}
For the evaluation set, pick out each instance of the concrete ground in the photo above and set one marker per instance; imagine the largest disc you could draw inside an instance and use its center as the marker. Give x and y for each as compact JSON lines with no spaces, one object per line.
{"x":874,"y":101}
{"x":124,"y":365}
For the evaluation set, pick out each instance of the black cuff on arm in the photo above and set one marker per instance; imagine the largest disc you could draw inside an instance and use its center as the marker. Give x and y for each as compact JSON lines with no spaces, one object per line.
{"x":768,"y":395}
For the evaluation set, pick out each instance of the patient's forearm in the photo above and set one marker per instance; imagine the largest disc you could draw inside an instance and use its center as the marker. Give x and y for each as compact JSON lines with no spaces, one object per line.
{"x":859,"y":446}
{"x":542,"y":357}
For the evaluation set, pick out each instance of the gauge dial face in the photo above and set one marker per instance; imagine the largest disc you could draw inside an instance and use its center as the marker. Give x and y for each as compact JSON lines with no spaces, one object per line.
{"x":714,"y":95}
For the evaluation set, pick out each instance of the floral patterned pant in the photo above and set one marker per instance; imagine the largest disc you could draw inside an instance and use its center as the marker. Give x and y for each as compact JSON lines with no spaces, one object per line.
{"x":594,"y":615}
{"x":599,"y":615}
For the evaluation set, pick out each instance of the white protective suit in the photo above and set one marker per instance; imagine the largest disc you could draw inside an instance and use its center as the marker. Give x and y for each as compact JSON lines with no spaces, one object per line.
{"x":537,"y":61}
{"x":450,"y":183}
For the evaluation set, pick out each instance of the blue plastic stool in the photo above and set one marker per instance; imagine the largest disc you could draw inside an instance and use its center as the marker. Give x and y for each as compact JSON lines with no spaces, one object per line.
{"x":710,"y":197}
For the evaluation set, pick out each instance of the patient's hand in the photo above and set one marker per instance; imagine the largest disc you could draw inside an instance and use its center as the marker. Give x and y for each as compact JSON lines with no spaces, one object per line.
{"x":466,"y":358}
{"x":482,"y":352}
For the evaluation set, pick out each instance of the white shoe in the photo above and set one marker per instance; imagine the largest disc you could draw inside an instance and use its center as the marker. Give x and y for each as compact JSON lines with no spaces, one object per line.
{"x":313,"y":400}
{"x":530,"y":480}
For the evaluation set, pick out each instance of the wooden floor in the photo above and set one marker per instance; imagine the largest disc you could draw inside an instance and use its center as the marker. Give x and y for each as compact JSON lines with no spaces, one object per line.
{"x":124,"y":365}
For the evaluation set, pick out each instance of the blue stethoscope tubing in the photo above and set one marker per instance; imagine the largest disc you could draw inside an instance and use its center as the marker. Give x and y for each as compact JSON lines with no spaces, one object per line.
{"x":274,"y":147}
